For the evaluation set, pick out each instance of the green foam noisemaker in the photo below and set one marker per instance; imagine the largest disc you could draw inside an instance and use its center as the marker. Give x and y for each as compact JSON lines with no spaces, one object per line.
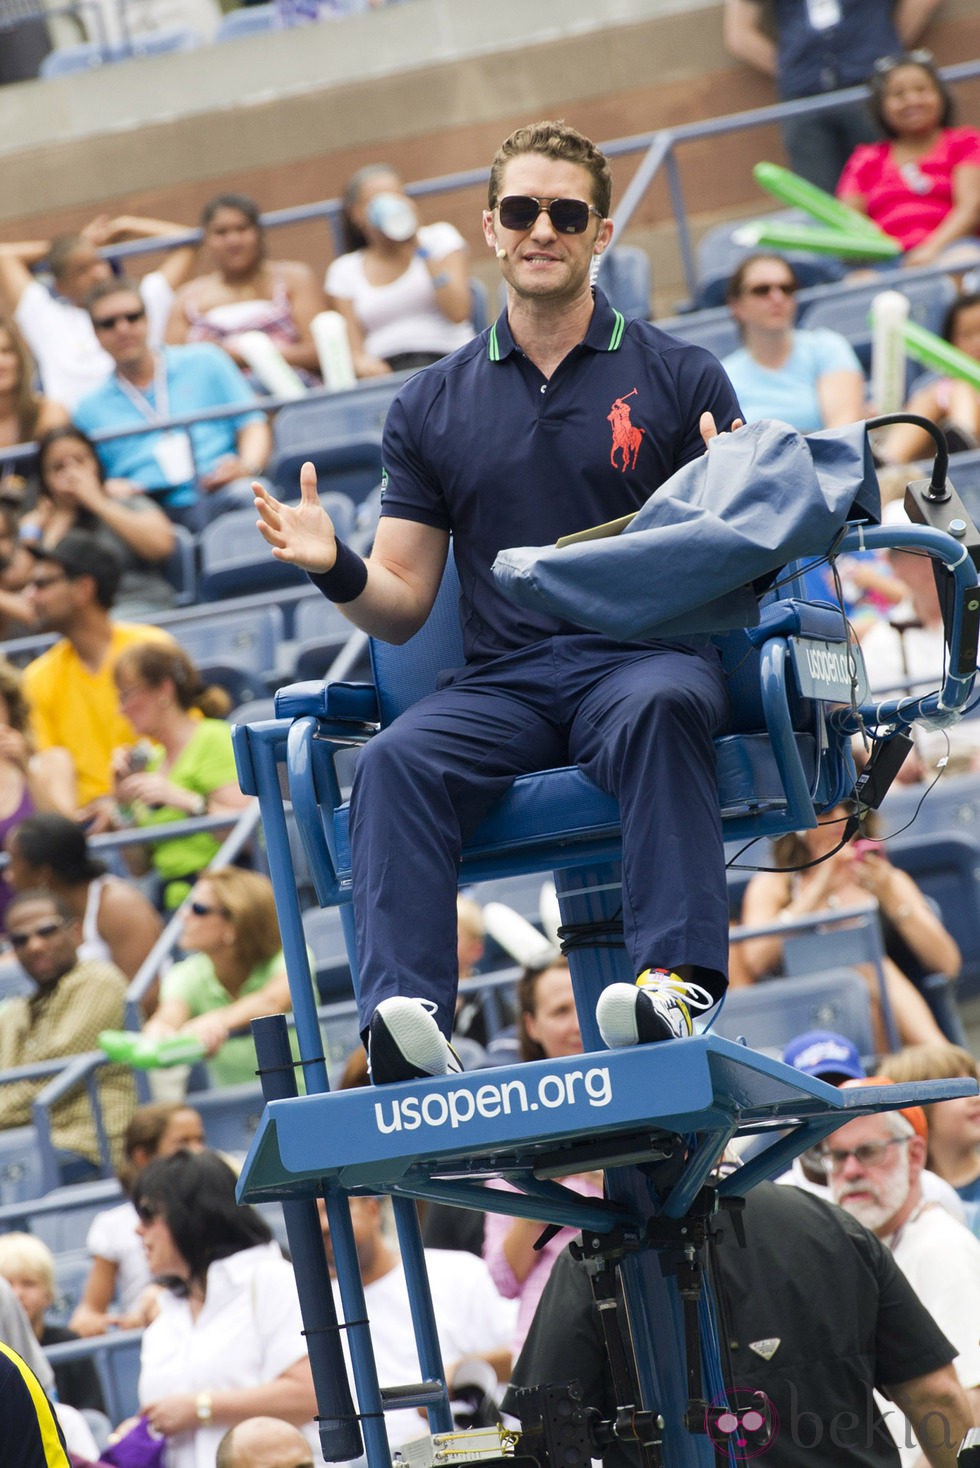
{"x":929,"y":349}
{"x":790,"y":188}
{"x":782,"y":235}
{"x":150,"y":1052}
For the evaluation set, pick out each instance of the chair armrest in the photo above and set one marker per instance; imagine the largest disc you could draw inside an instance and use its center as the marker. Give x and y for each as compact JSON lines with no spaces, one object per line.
{"x":792,"y":618}
{"x":345,"y":703}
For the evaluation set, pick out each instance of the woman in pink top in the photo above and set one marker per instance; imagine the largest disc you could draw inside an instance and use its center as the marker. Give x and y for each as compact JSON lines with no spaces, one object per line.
{"x":548,"y":1030}
{"x":922,"y":184}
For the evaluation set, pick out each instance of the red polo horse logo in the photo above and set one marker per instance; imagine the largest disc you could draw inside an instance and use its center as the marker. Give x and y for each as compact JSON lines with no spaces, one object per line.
{"x":626,"y":437}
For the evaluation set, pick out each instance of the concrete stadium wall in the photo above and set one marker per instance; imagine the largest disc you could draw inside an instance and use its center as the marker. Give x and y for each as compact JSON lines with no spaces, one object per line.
{"x":431,"y":86}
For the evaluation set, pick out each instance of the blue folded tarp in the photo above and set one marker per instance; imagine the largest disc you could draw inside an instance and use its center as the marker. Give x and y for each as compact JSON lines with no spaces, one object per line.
{"x":700,"y":551}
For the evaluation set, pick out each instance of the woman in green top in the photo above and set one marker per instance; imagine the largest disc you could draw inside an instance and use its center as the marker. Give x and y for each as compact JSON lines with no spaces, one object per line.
{"x":181,"y":766}
{"x":235,"y":971}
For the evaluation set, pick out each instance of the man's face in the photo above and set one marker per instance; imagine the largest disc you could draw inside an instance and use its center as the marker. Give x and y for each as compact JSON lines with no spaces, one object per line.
{"x":875,"y":1185}
{"x":53,"y":596}
{"x":540,"y":262}
{"x":33,"y":1292}
{"x":365,"y":1217}
{"x":45,"y":943}
{"x":120,"y":325}
{"x":84,"y":269}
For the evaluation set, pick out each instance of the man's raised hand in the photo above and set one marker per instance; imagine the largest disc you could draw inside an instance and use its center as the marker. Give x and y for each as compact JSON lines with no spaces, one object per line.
{"x":302,"y":533}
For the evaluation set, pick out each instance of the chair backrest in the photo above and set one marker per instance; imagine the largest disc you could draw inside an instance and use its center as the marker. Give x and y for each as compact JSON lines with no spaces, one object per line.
{"x":769,"y":1015}
{"x":625,"y":277}
{"x":235,"y":560}
{"x":230,"y":1115}
{"x":249,"y":636}
{"x":719,"y":254}
{"x":714,"y":330}
{"x":336,"y":418}
{"x":180,"y":567}
{"x":847,"y":310}
{"x":947,"y":868}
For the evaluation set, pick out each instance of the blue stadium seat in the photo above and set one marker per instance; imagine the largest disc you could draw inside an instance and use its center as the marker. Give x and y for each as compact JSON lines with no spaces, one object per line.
{"x":248,"y":20}
{"x":769,"y":1014}
{"x":249,"y":636}
{"x":117,"y":1360}
{"x":61,"y":1218}
{"x":846,"y":308}
{"x":21,"y":1172}
{"x":625,"y":277}
{"x":947,"y":868}
{"x":71,"y":1270}
{"x":235,"y":560}
{"x":718,"y":255}
{"x":340,"y":432}
{"x":713,"y":329}
{"x":230,"y":1115}
{"x":180,"y":567}
{"x":87,"y":55}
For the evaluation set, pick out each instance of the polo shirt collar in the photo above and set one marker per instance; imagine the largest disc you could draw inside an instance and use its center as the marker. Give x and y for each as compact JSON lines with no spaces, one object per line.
{"x":605,"y":333}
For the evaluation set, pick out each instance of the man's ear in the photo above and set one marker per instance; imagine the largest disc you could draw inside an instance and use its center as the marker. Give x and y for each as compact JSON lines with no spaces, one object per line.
{"x":917,"y":1156}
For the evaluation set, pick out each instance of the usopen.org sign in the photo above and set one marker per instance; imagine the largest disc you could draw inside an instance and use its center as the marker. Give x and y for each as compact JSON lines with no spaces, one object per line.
{"x":829,"y":670}
{"x":490,"y":1099}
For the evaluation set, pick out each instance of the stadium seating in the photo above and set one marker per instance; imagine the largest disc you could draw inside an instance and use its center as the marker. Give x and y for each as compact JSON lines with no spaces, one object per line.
{"x":88,"y":55}
{"x":180,"y":567}
{"x":339,"y":432}
{"x":719,"y":254}
{"x":248,"y":20}
{"x":117,"y":1360}
{"x":947,"y":868}
{"x":713,"y":329}
{"x":624,"y":275}
{"x":235,"y":560}
{"x":71,"y":1270}
{"x":768,"y":1015}
{"x":846,"y":309}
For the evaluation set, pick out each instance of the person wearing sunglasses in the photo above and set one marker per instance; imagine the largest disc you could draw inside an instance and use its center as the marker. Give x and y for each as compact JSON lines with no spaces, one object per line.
{"x":73,"y":1000}
{"x":921,"y":185}
{"x":233,"y":973}
{"x":401,"y":285}
{"x":809,"y":379}
{"x":811,"y":49}
{"x":559,"y":417}
{"x":874,"y":1167}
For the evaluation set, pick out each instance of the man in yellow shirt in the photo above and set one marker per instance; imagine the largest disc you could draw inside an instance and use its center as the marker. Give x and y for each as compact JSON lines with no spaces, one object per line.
{"x":76,"y":717}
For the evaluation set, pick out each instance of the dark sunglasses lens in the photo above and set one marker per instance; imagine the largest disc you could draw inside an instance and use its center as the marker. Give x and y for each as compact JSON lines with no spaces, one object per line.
{"x":518,"y":211}
{"x":569,"y":216}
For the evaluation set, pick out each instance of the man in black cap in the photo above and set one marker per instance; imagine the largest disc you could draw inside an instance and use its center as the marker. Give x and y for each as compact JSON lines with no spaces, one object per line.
{"x":76,"y":717}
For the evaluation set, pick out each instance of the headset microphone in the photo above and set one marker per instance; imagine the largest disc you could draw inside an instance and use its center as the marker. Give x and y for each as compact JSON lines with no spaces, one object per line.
{"x":501,"y":253}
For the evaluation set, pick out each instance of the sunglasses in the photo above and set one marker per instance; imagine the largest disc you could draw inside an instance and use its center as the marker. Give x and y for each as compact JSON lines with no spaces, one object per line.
{"x":201,"y":909}
{"x":106,"y":323}
{"x":45,"y":931}
{"x":38,"y":583}
{"x":785,"y":288}
{"x":569,"y":216}
{"x":885,"y":64}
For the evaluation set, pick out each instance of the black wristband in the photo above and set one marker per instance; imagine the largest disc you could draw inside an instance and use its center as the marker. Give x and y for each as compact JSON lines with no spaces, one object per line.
{"x":346,"y":578}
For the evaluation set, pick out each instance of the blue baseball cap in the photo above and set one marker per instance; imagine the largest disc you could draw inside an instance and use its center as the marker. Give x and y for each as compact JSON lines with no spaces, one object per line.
{"x":826,"y":1055}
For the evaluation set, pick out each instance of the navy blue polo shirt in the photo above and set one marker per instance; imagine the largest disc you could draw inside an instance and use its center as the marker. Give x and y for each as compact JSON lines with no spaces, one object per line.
{"x":483,"y":445}
{"x":820,"y":58}
{"x":30,"y":1436}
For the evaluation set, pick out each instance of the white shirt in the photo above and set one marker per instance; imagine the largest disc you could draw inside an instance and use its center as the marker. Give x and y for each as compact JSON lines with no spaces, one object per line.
{"x":112,"y":1235}
{"x":471,"y":1319}
{"x":401,"y":316}
{"x":63,"y":342}
{"x":892,"y":657}
{"x":941,"y":1261}
{"x":248,"y":1332}
{"x":935,"y":1189}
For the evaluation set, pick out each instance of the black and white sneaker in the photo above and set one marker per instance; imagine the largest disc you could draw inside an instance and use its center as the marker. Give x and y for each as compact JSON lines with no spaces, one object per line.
{"x":405,"y":1043}
{"x":657,"y":1007}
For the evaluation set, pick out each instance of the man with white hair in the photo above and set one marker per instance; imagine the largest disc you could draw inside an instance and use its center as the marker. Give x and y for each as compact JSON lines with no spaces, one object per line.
{"x":874,"y":1166}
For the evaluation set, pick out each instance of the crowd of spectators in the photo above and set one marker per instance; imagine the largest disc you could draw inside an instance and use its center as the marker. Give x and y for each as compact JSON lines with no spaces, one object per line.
{"x":113,"y":728}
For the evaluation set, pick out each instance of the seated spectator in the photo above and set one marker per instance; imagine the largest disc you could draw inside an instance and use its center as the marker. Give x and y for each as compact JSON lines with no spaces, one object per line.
{"x":949,"y":402}
{"x":56,"y":325}
{"x":119,"y":1276}
{"x":198,"y":472}
{"x":75,"y":712}
{"x":118,"y":924}
{"x":73,"y":494}
{"x":75,"y":999}
{"x":402,"y":286}
{"x":22,"y":775}
{"x":907,"y":655}
{"x":16,"y":613}
{"x":182,"y":765}
{"x":24,"y":414}
{"x":471,"y":1318}
{"x":548,"y":1027}
{"x":809,"y":379}
{"x":27,"y":1264}
{"x":46,"y":1434}
{"x":954,"y":1126}
{"x":248,"y":291}
{"x":235,"y":971}
{"x":228,"y":1340}
{"x":263,"y":1442}
{"x":922,"y":184}
{"x":874,"y":1167}
{"x":915,"y":940}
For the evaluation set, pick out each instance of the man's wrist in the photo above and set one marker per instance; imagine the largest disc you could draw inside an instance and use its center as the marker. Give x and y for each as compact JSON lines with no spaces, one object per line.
{"x":204,"y":1407}
{"x":346,"y":578}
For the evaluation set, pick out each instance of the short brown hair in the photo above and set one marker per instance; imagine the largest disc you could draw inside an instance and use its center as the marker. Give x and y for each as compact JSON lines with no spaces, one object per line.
{"x":736,"y":281}
{"x":554,"y":140}
{"x":246,"y":897}
{"x":116,"y":285}
{"x":154,"y":662}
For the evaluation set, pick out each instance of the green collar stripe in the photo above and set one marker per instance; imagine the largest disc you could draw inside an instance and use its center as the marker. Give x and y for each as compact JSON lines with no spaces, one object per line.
{"x":619,"y":326}
{"x":493,"y":346}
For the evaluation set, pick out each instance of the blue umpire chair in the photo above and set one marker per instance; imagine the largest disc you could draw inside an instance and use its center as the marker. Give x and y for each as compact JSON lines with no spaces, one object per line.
{"x":655,"y":1118}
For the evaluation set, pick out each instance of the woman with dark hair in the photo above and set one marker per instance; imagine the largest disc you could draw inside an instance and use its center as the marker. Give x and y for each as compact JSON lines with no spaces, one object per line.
{"x":922,"y":184}
{"x":247,"y":291}
{"x":227,"y":1342}
{"x":73,"y":494}
{"x":809,"y":379}
{"x":118,"y":923}
{"x":182,"y":764}
{"x":402,"y":286}
{"x":118,"y":1274}
{"x":950,"y":402}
